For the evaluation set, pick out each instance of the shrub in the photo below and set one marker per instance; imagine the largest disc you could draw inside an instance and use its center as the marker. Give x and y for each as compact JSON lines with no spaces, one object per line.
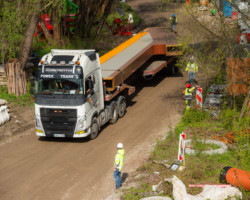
{"x":227,"y":118}
{"x":194,"y":116}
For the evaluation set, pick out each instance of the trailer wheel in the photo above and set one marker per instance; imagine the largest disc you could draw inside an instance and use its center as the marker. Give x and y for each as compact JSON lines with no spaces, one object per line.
{"x":121,"y":106}
{"x":94,"y":129}
{"x":114,"y":112}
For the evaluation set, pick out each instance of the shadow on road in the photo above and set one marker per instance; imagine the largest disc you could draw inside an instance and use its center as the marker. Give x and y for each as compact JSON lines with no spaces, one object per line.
{"x":64,"y":140}
{"x":124,"y":177}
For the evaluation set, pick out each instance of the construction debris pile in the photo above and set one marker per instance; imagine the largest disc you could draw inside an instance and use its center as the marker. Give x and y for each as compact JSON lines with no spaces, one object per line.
{"x":214,"y":98}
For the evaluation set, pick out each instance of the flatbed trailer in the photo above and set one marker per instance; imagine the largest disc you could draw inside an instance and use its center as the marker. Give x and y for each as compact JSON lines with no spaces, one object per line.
{"x":77,"y":92}
{"x":120,"y":63}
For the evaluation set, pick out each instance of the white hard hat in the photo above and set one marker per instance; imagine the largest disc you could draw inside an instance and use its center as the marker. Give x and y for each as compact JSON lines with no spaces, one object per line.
{"x":192,"y":58}
{"x":119,"y":146}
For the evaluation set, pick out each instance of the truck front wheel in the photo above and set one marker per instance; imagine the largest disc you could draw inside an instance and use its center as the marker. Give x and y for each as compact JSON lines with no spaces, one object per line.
{"x":94,"y":129}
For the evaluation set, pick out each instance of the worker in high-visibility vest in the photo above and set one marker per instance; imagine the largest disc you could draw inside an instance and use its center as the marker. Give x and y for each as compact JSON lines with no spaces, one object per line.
{"x":192,"y":69}
{"x":173,"y":22}
{"x":188,"y":95}
{"x":118,"y":164}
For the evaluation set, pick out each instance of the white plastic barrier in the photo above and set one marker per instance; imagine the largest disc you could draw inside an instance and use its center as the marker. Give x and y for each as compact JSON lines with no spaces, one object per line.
{"x":4,"y":115}
{"x":156,"y":198}
{"x":212,"y":192}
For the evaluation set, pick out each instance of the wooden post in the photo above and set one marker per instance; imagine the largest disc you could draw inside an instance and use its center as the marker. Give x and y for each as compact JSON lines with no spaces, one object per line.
{"x":16,"y":78}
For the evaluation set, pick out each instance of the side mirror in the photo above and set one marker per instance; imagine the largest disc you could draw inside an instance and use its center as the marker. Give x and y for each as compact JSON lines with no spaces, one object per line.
{"x":91,"y":85}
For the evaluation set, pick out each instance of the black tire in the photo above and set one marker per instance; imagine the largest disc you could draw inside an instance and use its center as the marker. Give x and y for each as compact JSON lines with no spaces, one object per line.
{"x":94,"y":129}
{"x":121,"y":106}
{"x":114,"y":112}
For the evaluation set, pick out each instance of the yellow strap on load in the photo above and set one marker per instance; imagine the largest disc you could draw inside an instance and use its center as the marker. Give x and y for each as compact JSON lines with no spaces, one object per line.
{"x":121,"y":47}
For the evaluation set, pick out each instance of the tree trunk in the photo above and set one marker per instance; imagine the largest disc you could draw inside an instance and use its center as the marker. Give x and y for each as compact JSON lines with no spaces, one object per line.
{"x":57,"y":34}
{"x":99,"y":6}
{"x":28,"y":36}
{"x":14,"y":68}
{"x":46,"y":31}
{"x":16,"y":78}
{"x":57,"y":28}
{"x":105,"y":15}
{"x":89,"y":9}
{"x":84,"y":13}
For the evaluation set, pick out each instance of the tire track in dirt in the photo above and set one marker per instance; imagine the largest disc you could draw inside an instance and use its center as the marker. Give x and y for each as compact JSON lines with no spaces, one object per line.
{"x":79,"y":169}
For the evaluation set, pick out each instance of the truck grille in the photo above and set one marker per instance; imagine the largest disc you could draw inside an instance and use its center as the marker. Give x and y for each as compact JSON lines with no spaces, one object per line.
{"x":58,"y":121}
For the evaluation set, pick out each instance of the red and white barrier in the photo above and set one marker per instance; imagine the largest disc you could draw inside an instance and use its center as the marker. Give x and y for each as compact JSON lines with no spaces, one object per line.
{"x":181,"y":152}
{"x":199,"y":98}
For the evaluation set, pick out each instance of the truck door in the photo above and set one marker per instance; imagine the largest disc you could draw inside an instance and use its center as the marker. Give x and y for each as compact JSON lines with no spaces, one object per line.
{"x":91,"y":96}
{"x":96,"y":89}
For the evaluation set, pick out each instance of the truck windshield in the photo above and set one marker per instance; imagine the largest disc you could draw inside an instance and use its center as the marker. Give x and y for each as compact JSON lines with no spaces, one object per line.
{"x":59,"y":86}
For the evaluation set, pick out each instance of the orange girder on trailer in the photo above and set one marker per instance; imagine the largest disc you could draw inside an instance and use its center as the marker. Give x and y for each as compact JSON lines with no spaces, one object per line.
{"x":121,"y":62}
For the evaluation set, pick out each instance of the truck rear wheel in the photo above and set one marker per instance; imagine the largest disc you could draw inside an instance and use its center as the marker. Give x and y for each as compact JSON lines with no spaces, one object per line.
{"x":94,"y":129}
{"x":114,"y":112}
{"x":121,"y":106}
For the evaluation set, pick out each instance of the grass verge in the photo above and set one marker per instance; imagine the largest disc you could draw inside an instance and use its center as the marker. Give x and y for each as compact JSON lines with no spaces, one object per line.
{"x":200,"y":168}
{"x":23,"y":100}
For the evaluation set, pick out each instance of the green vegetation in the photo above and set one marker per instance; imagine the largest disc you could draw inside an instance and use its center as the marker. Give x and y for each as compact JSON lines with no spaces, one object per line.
{"x":200,"y":168}
{"x":138,"y":193}
{"x":12,"y":33}
{"x":126,"y":10}
{"x":22,"y":100}
{"x":104,"y":44}
{"x":163,"y":5}
{"x":202,"y":146}
{"x":41,"y":48}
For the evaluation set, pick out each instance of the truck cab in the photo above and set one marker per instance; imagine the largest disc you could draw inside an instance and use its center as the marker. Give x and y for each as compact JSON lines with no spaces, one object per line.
{"x":69,"y":94}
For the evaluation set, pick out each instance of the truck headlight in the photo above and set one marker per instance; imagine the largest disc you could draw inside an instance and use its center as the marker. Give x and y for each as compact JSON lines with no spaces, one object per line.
{"x":80,"y":124}
{"x":38,"y":123}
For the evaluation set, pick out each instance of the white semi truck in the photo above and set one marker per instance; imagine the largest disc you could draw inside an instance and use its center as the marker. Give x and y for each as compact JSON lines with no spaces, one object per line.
{"x":76,"y":92}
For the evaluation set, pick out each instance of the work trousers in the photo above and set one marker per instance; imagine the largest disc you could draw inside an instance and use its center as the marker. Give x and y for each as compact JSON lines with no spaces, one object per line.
{"x":191,"y":77}
{"x":173,"y":27}
{"x":117,"y":176}
{"x":188,"y":99}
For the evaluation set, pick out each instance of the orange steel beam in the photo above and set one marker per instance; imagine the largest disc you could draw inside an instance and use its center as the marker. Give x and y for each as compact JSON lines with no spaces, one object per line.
{"x":121,"y":47}
{"x":158,"y":47}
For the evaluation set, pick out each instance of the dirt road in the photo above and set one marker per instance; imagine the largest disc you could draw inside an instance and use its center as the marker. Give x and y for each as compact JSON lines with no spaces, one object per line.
{"x":34,"y":169}
{"x":81,"y":169}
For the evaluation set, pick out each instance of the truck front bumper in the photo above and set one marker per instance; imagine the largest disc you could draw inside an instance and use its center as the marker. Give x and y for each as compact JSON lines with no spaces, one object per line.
{"x":79,"y":134}
{"x":40,"y":133}
{"x":82,"y":135}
